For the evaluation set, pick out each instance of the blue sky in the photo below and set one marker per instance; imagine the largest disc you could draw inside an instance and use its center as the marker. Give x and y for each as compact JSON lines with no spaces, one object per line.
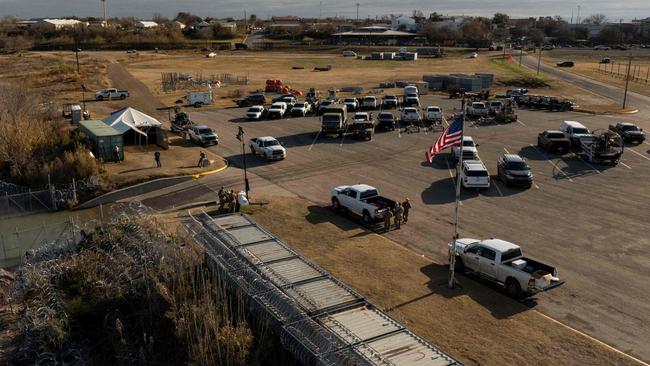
{"x":144,"y":9}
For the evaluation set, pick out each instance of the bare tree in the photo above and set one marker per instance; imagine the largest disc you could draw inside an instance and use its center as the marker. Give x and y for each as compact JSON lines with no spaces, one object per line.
{"x":595,"y":19}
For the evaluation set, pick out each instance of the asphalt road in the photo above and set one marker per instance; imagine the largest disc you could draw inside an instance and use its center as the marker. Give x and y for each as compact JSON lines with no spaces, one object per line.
{"x":636,"y":100}
{"x":589,"y":221}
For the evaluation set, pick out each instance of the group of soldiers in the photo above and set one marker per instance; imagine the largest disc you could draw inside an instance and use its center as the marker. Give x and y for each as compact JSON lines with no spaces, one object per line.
{"x":229,"y":199}
{"x":400,"y":214}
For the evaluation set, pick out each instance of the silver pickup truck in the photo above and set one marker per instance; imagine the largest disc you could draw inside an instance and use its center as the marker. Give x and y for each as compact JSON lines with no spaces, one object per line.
{"x":502,"y":262}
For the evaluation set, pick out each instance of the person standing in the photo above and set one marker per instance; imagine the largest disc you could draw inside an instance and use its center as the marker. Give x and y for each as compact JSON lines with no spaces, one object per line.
{"x":116,"y":154}
{"x":156,"y":157}
{"x":201,"y":159}
{"x":222,"y":198}
{"x":398,"y":215}
{"x":387,"y":218}
{"x":406,"y":207}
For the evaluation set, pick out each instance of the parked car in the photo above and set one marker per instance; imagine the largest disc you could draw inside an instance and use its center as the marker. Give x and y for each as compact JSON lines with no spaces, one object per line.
{"x":601,"y":48}
{"x":301,"y":109}
{"x":473,"y":55}
{"x":256,"y":112}
{"x":277,"y":110}
{"x":351,"y":103}
{"x":390,"y":101}
{"x":386,"y":121}
{"x":349,"y":54}
{"x":433,"y":114}
{"x":574,"y":131}
{"x":290,"y":100}
{"x":410,"y":115}
{"x":369,"y":102}
{"x":267,"y":147}
{"x":513,"y":170}
{"x":251,"y":100}
{"x":515,"y":93}
{"x":629,"y":132}
{"x":503,"y":262}
{"x":111,"y":93}
{"x":554,"y":142}
{"x":362,"y":126}
{"x":470,"y":151}
{"x":606,"y":60}
{"x":203,"y":135}
{"x":474,"y":174}
{"x":363,"y":200}
{"x":565,"y":64}
{"x":494,"y":107}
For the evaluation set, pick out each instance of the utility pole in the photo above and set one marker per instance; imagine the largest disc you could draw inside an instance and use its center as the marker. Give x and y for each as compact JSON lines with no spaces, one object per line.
{"x":358,"y":12}
{"x":539,"y":60}
{"x":578,"y":17}
{"x":76,"y":52}
{"x":452,"y":252}
{"x":627,"y":81}
{"x":105,"y":19}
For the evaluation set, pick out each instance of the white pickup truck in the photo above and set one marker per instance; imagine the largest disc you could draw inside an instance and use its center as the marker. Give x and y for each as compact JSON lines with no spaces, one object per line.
{"x":111,"y":93}
{"x":433,"y":114}
{"x":363,"y":200}
{"x":477,"y":109}
{"x":267,"y":147}
{"x":502,"y":262}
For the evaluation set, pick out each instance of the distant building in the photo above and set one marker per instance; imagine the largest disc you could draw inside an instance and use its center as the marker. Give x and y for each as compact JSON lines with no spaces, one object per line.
{"x":593,"y":30}
{"x":290,"y":19}
{"x":58,"y":24}
{"x":230,"y":27}
{"x":25,"y":24}
{"x":455,"y":23}
{"x":179,"y":25}
{"x":144,"y":24}
{"x":404,"y":23}
{"x":373,"y":35}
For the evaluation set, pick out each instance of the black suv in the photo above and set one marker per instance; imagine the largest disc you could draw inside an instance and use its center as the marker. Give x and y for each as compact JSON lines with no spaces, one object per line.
{"x":513,"y":170}
{"x":251,"y":100}
{"x":565,"y":64}
{"x":386,"y":121}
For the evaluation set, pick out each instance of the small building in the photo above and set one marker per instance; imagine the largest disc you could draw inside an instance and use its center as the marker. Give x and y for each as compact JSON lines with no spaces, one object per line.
{"x":25,"y":24}
{"x":102,"y":139}
{"x":179,"y":25}
{"x":144,"y":24}
{"x":230,"y":27}
{"x":136,"y":127}
{"x":373,"y":35}
{"x":58,"y":24}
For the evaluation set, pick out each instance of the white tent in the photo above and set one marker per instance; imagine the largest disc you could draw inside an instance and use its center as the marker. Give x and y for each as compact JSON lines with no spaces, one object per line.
{"x":128,"y":119}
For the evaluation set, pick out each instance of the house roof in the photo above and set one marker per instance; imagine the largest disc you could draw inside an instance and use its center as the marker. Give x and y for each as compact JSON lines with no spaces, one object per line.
{"x":148,"y":23}
{"x":62,"y":22}
{"x":131,"y":119}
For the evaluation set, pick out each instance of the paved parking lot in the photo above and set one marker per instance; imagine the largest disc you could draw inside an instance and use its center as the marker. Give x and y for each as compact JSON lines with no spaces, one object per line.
{"x":587,"y":220}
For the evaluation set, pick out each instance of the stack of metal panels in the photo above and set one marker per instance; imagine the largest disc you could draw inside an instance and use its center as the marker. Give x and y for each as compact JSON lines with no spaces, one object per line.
{"x":486,"y":80}
{"x":377,"y":56}
{"x":388,"y":55}
{"x":319,"y":319}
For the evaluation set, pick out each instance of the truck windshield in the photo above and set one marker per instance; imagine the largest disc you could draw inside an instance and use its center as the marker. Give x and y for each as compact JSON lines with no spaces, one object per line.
{"x":510,"y":254}
{"x":469,"y":143}
{"x":555,"y":135}
{"x":271,"y":143}
{"x":205,"y":131}
{"x":369,"y":194}
{"x":629,"y":128}
{"x":477,"y":173}
{"x":580,"y":130}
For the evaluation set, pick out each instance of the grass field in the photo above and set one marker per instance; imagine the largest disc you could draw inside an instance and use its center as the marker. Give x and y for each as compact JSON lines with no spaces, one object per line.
{"x":345,"y":72}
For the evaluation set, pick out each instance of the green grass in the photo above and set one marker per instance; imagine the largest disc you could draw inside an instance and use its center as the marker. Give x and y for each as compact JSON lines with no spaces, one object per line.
{"x":515,"y":75}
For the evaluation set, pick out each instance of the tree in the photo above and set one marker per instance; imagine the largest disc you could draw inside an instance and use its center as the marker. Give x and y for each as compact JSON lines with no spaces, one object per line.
{"x":595,"y":19}
{"x":500,"y":19}
{"x":434,"y":17}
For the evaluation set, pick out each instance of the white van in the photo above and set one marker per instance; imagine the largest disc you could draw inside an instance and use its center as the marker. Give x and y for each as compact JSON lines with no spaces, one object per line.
{"x":199,"y":98}
{"x":574,"y":131}
{"x":474,"y":174}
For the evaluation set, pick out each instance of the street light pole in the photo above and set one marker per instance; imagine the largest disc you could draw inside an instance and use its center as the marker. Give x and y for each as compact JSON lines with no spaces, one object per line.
{"x":240,"y":137}
{"x":76,"y":52}
{"x":539,"y":60}
{"x":627,"y":81}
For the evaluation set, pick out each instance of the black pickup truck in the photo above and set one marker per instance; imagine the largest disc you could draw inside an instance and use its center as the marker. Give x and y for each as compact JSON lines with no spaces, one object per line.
{"x":629,"y":132}
{"x":554,"y":141}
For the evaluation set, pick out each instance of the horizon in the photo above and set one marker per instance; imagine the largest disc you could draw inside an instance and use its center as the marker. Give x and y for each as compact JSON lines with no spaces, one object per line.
{"x":635,"y":9}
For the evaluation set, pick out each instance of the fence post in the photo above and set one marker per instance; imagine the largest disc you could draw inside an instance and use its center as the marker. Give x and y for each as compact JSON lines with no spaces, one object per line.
{"x":4,"y":248}
{"x":29,"y":191}
{"x":52,"y":195}
{"x":74,"y":190}
{"x":647,"y":75}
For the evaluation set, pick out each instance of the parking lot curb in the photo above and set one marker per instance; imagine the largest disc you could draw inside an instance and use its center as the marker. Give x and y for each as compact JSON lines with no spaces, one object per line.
{"x":210,"y":172}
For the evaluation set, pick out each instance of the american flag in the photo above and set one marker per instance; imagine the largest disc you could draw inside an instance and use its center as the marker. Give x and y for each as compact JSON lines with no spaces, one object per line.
{"x":451,"y":137}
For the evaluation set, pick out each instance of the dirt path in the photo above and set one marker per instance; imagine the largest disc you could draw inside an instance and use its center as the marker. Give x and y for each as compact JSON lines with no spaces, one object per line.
{"x":140,"y":97}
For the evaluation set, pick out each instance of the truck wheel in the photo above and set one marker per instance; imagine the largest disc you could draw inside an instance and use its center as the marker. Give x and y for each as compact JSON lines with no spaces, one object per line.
{"x":367,"y":219}
{"x":336,"y":204}
{"x":512,"y":288}
{"x":122,"y":96}
{"x":100,"y":98}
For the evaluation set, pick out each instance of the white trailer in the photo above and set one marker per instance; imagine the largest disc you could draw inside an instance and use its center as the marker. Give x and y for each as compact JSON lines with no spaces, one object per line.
{"x":199,"y":98}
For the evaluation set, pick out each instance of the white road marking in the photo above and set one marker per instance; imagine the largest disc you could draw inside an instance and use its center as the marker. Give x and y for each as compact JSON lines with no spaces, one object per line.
{"x":625,"y":165}
{"x":552,"y":163}
{"x":314,"y":142}
{"x":646,"y":143}
{"x":498,"y":189}
{"x":638,"y":153}
{"x":506,"y":150}
{"x":521,"y":123}
{"x":536,"y":186}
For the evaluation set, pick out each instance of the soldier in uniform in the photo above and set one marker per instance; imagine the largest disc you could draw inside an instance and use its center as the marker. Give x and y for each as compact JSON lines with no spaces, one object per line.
{"x":387,"y":217}
{"x":398,"y":215}
{"x":406,"y":206}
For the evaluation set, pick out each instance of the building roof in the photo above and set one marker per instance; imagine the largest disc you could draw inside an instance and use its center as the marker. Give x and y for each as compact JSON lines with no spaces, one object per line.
{"x":99,"y":128}
{"x":131,"y":119}
{"x":148,"y":23}
{"x":387,"y":33}
{"x":62,"y":22}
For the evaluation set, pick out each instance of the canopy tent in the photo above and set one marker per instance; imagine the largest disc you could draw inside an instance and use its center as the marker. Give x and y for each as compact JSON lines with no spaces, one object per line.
{"x":129,"y":121}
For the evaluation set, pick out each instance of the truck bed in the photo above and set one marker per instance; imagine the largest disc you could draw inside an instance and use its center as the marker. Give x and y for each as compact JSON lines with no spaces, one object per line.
{"x":535,"y":267}
{"x":381,"y":202}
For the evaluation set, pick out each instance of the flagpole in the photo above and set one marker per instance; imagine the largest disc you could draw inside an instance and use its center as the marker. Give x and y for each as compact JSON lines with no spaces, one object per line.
{"x":452,"y":252}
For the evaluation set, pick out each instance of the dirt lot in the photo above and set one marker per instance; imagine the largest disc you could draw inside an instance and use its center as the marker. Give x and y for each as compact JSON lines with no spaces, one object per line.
{"x":587,"y":64}
{"x":139,"y":164}
{"x":468,"y":322}
{"x":345,"y":72}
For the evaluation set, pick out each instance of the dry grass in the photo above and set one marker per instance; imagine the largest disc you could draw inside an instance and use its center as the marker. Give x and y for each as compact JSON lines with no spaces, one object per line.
{"x":472,"y":322}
